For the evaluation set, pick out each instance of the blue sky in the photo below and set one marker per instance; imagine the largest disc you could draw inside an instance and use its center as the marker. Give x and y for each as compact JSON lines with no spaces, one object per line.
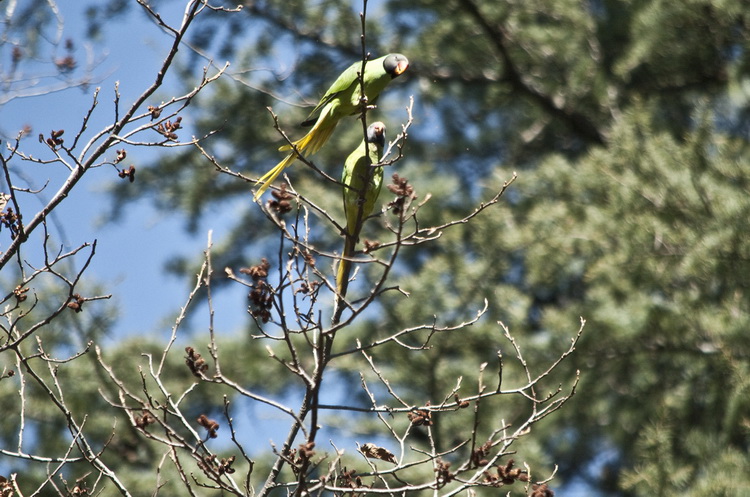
{"x":131,"y":253}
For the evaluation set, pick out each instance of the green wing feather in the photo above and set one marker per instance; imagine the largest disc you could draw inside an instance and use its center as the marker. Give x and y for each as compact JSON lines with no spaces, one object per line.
{"x":346,"y":87}
{"x":345,"y":80}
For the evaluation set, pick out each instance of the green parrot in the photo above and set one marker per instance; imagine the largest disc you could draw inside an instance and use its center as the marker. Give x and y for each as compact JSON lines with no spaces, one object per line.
{"x":362,"y":183}
{"x":341,"y":99}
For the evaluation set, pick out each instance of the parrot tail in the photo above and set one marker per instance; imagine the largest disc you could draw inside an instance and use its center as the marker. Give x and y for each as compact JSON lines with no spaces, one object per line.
{"x":268,"y":178}
{"x":345,"y":266}
{"x":316,"y":137}
{"x":307,"y":145}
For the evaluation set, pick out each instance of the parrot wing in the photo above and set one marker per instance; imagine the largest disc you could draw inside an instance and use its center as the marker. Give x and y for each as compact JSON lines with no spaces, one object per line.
{"x":378,"y":73}
{"x":344,"y":82}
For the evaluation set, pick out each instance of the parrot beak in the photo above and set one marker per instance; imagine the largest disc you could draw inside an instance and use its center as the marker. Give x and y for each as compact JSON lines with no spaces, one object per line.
{"x":395,"y":64}
{"x":402,"y":66}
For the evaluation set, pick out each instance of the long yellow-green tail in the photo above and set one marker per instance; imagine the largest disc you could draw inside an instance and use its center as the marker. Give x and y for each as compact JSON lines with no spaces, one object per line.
{"x":274,"y":173}
{"x":307,"y":145}
{"x":315,"y":138}
{"x":345,"y":266}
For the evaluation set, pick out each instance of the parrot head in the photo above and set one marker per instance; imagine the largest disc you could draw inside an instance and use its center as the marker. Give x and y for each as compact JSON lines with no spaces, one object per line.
{"x":395,"y":64}
{"x":376,"y":133}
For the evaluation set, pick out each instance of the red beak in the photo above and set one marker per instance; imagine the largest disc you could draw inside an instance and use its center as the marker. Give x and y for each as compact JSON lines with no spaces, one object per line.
{"x":401,"y":67}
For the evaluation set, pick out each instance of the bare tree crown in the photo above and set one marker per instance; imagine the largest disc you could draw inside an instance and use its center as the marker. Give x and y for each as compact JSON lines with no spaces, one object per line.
{"x":304,"y":329}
